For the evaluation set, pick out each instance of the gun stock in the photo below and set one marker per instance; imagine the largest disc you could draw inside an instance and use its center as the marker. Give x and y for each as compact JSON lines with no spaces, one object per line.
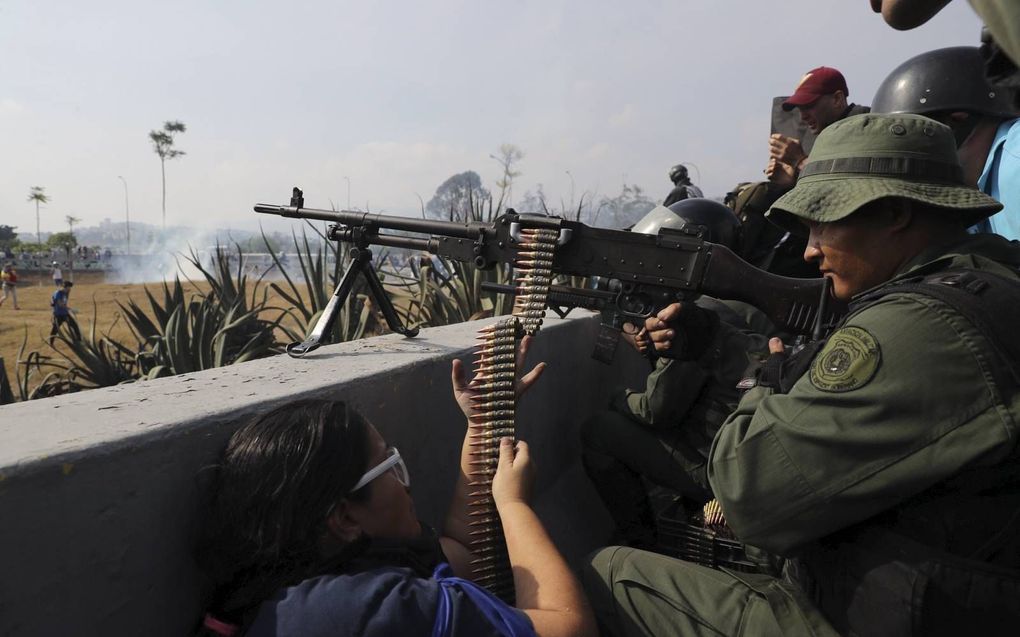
{"x":792,"y":304}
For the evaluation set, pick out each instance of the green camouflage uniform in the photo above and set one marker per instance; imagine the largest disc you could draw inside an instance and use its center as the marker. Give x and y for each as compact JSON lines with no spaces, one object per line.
{"x":889,"y":474}
{"x":664,"y":432}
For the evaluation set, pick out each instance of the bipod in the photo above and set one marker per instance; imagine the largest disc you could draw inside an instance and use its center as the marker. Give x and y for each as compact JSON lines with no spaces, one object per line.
{"x":361,"y":262}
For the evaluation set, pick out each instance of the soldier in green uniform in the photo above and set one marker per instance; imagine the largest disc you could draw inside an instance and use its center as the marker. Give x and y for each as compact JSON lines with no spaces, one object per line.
{"x":888,"y":473}
{"x":664,"y":432}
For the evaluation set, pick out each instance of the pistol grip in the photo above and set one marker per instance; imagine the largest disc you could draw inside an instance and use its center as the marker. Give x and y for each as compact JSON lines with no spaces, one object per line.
{"x":606,"y":343}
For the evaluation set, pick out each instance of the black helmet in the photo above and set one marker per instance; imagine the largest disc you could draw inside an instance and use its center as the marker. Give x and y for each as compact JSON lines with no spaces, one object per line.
{"x":951,"y":79}
{"x":710,"y":220}
{"x":678,"y":173}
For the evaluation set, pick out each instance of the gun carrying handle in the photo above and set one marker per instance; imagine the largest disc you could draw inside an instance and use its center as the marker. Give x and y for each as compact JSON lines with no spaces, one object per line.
{"x":515,"y":234}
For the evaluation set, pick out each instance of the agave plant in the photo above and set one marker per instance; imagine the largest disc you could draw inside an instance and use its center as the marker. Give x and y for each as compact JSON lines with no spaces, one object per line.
{"x":6,"y":393}
{"x":95,"y":360}
{"x":441,"y":291}
{"x":205,"y":330}
{"x":37,"y":365}
{"x":318,"y":280}
{"x":147,"y":329}
{"x":206,"y":333}
{"x":242,"y":334}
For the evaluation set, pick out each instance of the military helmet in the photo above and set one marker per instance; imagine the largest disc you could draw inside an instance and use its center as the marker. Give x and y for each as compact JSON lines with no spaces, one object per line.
{"x":864,"y":158}
{"x":678,"y":173}
{"x":950,"y":79}
{"x":710,"y":220}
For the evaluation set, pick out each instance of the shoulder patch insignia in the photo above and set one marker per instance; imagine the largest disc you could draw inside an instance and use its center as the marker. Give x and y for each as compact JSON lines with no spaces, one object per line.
{"x":847,"y":362}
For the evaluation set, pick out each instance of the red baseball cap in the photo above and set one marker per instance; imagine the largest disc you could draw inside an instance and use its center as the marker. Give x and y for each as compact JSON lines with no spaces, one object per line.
{"x":824,"y":80}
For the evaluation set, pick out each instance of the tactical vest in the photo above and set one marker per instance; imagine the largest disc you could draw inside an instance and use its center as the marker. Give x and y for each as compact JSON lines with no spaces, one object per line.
{"x":902,"y":572}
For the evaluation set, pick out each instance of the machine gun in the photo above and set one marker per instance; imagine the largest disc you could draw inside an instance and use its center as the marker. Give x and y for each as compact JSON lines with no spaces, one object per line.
{"x":645,"y":272}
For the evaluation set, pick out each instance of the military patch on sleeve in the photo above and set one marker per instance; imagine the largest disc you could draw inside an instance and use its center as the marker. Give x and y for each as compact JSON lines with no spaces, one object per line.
{"x":847,"y":362}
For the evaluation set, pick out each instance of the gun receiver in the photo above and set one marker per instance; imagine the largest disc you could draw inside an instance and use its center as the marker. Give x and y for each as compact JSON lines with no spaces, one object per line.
{"x":648,"y":271}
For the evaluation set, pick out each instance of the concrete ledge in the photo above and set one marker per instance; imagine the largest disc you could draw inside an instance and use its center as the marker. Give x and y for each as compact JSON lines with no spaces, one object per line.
{"x":100,"y":491}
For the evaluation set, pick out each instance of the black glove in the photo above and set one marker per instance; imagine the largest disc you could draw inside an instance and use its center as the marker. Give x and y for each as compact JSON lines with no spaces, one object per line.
{"x":780,"y":371}
{"x":771,"y":373}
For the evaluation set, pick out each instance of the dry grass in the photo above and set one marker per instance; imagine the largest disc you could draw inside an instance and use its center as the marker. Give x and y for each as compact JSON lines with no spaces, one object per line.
{"x":35,"y":313}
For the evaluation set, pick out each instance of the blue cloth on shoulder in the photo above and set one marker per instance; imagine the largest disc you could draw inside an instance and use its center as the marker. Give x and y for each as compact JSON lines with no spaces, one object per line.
{"x":383,"y":602}
{"x":507,"y":620}
{"x":1000,"y":178}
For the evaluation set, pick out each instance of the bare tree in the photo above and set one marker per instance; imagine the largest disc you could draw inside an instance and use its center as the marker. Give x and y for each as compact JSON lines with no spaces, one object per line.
{"x":163,"y":144}
{"x":508,"y":155}
{"x":615,"y":212}
{"x":626,"y":208}
{"x":534,"y":201}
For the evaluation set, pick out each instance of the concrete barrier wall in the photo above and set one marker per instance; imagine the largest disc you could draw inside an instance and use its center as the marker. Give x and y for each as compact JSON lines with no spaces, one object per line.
{"x":100,"y":491}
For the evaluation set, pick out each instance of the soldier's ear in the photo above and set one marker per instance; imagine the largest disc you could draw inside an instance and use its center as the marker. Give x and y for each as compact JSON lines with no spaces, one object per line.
{"x":901,"y":215}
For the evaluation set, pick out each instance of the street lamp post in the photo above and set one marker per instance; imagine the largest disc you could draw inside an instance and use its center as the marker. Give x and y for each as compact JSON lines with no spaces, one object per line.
{"x":127,"y":215}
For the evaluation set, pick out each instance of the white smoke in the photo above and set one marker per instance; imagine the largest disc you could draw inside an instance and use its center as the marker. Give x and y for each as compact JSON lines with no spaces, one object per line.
{"x":161,"y":257}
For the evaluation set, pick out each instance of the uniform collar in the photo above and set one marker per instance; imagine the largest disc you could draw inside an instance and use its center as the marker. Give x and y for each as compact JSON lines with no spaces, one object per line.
{"x":962,"y":252}
{"x":975,"y":251}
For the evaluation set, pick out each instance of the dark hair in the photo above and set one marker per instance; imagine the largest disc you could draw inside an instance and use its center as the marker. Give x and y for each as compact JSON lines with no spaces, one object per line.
{"x":276,"y":482}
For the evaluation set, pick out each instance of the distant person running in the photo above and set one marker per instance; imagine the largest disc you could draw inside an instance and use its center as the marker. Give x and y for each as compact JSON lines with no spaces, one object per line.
{"x":10,"y":285}
{"x":58,"y":276}
{"x":62,"y":312}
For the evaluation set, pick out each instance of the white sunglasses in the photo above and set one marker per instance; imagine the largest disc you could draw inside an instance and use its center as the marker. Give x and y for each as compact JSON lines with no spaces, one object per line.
{"x":393,"y":461}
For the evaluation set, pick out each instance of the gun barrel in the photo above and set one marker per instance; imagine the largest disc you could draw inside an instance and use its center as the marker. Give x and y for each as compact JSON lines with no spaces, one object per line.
{"x":469,"y":230}
{"x":340,"y":233}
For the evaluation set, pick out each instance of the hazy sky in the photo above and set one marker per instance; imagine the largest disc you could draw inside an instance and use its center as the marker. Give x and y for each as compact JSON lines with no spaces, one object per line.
{"x":397,"y":96}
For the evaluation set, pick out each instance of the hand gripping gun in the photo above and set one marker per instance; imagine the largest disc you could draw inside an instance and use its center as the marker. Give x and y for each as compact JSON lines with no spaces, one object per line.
{"x":645,"y":272}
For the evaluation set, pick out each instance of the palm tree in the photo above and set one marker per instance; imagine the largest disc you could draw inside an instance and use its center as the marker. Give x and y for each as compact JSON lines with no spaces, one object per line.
{"x":163,"y":144}
{"x":38,"y":195}
{"x":70,"y":230}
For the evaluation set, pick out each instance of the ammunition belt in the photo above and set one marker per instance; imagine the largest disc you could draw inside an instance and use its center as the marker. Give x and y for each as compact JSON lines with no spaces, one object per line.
{"x":495,"y":401}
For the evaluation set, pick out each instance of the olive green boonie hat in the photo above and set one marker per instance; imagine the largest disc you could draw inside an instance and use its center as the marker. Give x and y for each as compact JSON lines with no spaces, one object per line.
{"x":868,"y":157}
